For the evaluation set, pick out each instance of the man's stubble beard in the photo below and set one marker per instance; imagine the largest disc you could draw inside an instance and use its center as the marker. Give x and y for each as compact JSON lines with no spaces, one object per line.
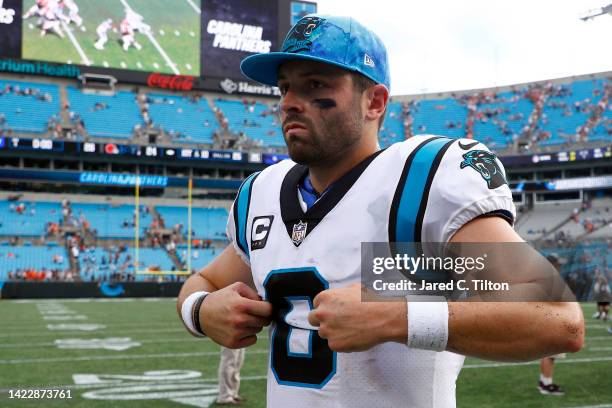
{"x":342,"y":131}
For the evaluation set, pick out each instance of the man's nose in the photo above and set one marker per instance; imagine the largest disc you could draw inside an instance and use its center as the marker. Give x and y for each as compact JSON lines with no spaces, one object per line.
{"x":291,"y":102}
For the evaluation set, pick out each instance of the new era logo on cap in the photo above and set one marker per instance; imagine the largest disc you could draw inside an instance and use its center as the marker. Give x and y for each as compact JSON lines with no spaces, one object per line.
{"x":367,"y":60}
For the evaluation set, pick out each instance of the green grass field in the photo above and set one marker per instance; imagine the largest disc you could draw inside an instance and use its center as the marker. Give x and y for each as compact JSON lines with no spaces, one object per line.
{"x":175,"y":26}
{"x":30,"y":358}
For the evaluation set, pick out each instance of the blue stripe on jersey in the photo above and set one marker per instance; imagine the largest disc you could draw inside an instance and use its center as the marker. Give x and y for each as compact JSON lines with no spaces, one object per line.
{"x":414,"y":189}
{"x":241,"y":210}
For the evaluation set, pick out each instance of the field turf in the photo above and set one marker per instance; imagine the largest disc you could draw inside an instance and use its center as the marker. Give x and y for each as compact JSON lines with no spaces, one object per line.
{"x":175,"y":26}
{"x":165,"y":367}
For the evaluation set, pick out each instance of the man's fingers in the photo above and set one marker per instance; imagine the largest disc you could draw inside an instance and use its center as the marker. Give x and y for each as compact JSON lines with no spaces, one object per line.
{"x":250,"y":331}
{"x":246,"y":341}
{"x":313,"y":319}
{"x":256,"y":307}
{"x":245,"y":291}
{"x":317,"y":299}
{"x":251,"y":321}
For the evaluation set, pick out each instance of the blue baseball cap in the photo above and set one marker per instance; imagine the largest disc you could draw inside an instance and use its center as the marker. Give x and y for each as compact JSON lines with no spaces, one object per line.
{"x":339,"y":41}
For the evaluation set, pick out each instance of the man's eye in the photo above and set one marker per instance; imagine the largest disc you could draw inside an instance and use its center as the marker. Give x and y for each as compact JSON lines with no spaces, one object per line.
{"x":316,"y":84}
{"x":283,"y":89}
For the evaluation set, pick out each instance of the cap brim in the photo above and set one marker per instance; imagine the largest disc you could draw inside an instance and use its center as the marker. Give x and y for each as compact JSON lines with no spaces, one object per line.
{"x":263,"y":68}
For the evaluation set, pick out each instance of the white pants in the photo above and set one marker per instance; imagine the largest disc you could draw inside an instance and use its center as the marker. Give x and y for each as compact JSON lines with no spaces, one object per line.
{"x":51,"y":25}
{"x":102,"y":39}
{"x":229,"y":373}
{"x":129,"y":40}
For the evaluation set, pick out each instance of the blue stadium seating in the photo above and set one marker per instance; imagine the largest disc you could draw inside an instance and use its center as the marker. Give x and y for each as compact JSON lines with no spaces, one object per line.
{"x":392,"y":130}
{"x":435,"y":116}
{"x":206,"y":223}
{"x":563,"y":123}
{"x":98,"y":263}
{"x":253,"y":124}
{"x":199,"y":257}
{"x":37,"y":257}
{"x":116,"y":120}
{"x":514,"y":112}
{"x":108,"y":219}
{"x":28,"y":224}
{"x":183,"y":118}
{"x":27,"y":113}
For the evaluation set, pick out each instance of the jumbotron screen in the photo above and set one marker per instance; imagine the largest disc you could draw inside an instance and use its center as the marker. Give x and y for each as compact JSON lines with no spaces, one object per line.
{"x":233,"y":30}
{"x":199,"y":38}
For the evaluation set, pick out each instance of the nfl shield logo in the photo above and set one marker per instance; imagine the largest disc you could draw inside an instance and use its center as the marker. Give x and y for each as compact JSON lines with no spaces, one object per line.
{"x":299,"y":233}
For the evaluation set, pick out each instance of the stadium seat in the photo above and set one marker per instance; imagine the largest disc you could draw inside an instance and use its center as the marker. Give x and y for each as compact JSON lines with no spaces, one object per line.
{"x":207,"y":223}
{"x":182,"y":118}
{"x":13,"y":258}
{"x":257,"y":122}
{"x":106,"y":116}
{"x":392,"y":130}
{"x":31,"y":222}
{"x":29,"y":112}
{"x":444,"y":117}
{"x":111,"y":221}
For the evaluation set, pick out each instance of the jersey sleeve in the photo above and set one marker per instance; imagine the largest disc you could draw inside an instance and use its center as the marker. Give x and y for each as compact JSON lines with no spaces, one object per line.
{"x":470,"y":182}
{"x":236,"y":229}
{"x":230,"y":231}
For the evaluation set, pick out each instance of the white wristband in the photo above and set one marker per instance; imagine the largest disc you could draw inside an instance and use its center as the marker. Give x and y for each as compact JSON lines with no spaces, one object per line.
{"x":187,"y":312}
{"x":428,"y":325}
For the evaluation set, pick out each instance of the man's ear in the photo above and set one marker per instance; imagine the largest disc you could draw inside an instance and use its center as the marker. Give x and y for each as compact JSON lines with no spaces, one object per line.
{"x":377,"y":98}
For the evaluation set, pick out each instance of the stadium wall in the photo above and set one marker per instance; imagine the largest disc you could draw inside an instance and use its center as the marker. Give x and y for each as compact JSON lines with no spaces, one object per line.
{"x":66,"y":290}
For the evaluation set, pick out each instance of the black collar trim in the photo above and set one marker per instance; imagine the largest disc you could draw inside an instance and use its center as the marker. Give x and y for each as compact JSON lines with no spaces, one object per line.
{"x":291,"y":211}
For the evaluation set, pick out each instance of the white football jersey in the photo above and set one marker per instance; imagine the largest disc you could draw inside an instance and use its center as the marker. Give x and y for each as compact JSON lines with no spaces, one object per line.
{"x":421,"y":190}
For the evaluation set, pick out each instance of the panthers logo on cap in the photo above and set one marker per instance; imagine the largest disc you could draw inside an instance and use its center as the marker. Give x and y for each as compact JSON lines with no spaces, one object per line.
{"x":298,"y":38}
{"x":485,"y":164}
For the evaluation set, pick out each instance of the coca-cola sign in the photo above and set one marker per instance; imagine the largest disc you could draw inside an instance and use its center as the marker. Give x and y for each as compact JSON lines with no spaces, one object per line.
{"x":175,"y":82}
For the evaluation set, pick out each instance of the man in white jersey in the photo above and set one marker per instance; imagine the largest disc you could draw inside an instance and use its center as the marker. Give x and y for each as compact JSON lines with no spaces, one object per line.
{"x":102,"y":30}
{"x":137,"y":21}
{"x":296,"y":230}
{"x":127,"y":35}
{"x":73,"y":13}
{"x":51,"y":19}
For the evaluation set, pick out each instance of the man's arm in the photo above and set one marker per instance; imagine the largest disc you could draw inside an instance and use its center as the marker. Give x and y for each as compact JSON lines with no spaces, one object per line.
{"x":505,"y":331}
{"x":232,"y":314}
{"x":510,"y":331}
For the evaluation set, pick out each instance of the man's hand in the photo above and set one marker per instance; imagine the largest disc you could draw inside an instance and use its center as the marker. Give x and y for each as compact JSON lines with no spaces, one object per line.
{"x":349,"y":324}
{"x":232,"y":316}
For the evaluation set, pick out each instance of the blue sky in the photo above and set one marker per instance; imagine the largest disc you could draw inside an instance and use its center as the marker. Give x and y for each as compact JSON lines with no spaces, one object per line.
{"x":444,"y":45}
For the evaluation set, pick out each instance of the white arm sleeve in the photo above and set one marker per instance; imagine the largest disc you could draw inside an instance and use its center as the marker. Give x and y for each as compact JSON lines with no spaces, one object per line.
{"x":230,"y":231}
{"x":470,"y":182}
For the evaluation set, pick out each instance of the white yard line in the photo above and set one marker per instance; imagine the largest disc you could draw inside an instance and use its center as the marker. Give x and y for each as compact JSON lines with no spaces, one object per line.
{"x":161,"y":51}
{"x":195,"y":381}
{"x":76,"y":44}
{"x":187,"y":339}
{"x":526,"y":363}
{"x":119,"y":332}
{"x":216,"y":353}
{"x":194,"y":6}
{"x":119,"y":357}
{"x":595,"y":406}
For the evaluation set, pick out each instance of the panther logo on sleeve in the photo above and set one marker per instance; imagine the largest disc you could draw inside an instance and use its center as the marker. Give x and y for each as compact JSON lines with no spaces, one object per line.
{"x":485,"y":164}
